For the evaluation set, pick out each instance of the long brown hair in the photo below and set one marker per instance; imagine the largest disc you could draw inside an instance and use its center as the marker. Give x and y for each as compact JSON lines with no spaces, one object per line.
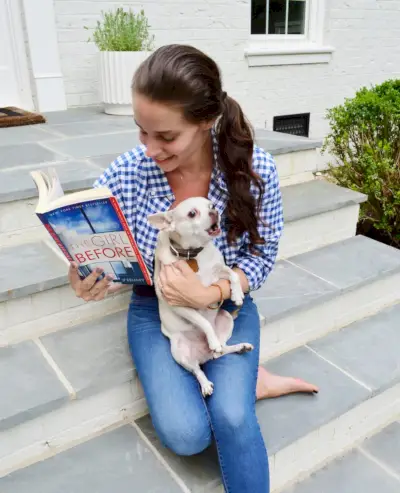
{"x":187,"y":78}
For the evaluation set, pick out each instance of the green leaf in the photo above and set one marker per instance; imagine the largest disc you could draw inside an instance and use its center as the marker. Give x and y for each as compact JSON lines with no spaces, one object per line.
{"x":121,"y":30}
{"x":365,"y":142}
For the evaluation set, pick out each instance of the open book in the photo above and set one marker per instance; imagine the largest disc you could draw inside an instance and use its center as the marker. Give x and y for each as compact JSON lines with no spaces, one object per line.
{"x":90,"y":228}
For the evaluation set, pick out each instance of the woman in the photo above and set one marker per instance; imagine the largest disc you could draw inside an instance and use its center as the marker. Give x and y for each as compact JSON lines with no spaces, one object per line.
{"x":198,"y":143}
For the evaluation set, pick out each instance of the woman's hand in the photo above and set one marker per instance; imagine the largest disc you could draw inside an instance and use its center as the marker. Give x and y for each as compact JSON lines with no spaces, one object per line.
{"x":180,"y":286}
{"x":89,"y":289}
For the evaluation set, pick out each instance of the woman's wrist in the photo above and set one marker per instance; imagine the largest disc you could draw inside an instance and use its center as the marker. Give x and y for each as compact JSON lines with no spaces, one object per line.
{"x":212,"y":294}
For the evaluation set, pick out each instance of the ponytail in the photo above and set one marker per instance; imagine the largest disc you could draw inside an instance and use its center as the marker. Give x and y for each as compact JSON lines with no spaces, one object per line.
{"x":236,"y":141}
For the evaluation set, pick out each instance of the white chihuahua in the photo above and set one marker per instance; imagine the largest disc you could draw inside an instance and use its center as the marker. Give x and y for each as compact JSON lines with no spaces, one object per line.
{"x":196,"y":336}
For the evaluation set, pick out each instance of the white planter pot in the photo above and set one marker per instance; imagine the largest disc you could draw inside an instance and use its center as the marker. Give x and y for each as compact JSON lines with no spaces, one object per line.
{"x":116,"y":69}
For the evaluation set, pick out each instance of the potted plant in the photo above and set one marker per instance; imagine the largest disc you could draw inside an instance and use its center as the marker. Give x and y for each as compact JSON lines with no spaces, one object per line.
{"x":124,"y":41}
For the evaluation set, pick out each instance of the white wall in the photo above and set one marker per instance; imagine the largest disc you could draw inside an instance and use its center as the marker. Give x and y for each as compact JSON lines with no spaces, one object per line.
{"x":364,"y":33}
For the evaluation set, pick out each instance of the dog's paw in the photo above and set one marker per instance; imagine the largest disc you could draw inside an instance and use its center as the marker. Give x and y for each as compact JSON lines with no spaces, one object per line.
{"x":237,"y":295}
{"x":246,"y":347}
{"x":207,"y":388}
{"x":215,"y":346}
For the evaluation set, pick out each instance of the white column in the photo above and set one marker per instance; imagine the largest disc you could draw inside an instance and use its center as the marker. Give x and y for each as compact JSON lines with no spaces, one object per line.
{"x":43,"y":47}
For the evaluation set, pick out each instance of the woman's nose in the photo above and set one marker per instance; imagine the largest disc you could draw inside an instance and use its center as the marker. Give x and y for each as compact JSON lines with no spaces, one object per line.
{"x":152,"y":148}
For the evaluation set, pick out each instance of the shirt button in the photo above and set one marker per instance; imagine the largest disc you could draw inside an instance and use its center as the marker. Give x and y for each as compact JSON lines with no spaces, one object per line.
{"x":149,"y":251}
{"x":152,"y":193}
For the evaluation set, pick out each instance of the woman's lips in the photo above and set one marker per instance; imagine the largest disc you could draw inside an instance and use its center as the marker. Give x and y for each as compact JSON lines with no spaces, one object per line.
{"x":161,"y":161}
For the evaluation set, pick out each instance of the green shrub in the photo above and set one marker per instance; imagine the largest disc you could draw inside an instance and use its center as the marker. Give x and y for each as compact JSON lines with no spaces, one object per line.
{"x":365,"y":142}
{"x":123,"y":31}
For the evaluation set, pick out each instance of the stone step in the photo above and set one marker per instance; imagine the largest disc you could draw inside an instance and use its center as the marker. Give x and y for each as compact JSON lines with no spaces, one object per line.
{"x":352,"y":278}
{"x":335,"y":207}
{"x":316,"y":213}
{"x":357,"y":369}
{"x":78,"y":147}
{"x":84,"y":374}
{"x":372,"y":466}
{"x":297,"y":158}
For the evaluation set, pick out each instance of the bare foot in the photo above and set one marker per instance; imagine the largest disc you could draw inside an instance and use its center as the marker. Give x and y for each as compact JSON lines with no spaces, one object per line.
{"x":270,"y":385}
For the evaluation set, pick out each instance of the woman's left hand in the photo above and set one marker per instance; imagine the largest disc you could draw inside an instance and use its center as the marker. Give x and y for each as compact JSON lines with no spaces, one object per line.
{"x":180,"y":286}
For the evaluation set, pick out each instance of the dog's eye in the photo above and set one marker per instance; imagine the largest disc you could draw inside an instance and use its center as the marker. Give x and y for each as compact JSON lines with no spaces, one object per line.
{"x":192,"y":213}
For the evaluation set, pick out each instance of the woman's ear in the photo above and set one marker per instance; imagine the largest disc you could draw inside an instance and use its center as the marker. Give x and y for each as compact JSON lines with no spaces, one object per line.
{"x":162,"y":220}
{"x":208,"y":124}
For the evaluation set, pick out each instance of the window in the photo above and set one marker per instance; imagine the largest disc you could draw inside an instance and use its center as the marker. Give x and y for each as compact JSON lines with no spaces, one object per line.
{"x":287,"y":32}
{"x":279,"y":16}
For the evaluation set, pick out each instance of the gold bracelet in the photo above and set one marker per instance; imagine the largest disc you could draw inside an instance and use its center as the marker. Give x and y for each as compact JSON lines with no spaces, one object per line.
{"x":218,"y":305}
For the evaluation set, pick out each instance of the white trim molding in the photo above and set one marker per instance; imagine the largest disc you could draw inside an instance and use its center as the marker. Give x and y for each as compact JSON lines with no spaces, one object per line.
{"x":258,"y":56}
{"x":20,"y":61}
{"x":265,"y":50}
{"x":43,"y":46}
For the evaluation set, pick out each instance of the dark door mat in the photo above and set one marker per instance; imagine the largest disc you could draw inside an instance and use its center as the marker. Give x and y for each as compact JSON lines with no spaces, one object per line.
{"x":14,"y":117}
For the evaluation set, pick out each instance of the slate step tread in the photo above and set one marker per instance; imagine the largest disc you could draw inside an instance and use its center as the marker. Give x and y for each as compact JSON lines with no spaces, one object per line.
{"x":294,"y":416}
{"x":117,"y":461}
{"x":94,"y":356}
{"x":288,"y":419}
{"x":378,"y":470}
{"x":26,"y":277}
{"x":80,"y":140}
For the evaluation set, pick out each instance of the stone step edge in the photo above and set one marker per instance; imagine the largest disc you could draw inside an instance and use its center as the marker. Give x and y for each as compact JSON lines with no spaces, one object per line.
{"x":366,"y":297}
{"x":353,"y":198}
{"x":82,"y":183}
{"x":333,"y":439}
{"x":277,"y":335}
{"x":355,"y":425}
{"x":299,"y":326}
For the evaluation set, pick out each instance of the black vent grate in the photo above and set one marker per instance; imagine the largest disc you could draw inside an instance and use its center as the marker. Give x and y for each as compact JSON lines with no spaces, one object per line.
{"x":293,"y":124}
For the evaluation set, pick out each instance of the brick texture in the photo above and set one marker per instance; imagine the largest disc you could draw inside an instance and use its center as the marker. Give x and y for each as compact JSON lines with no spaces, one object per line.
{"x":364,"y":33}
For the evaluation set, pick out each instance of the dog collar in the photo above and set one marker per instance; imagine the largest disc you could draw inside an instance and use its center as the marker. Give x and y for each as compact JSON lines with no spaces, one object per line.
{"x":185,"y":254}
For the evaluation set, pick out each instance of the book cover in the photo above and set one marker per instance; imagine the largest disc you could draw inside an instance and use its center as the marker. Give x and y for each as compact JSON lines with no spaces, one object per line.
{"x":94,"y":233}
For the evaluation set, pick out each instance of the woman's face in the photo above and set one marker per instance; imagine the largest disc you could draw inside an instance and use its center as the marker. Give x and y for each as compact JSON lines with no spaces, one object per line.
{"x":170,"y":140}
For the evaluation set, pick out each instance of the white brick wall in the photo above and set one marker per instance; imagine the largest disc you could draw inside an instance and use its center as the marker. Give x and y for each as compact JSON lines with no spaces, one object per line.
{"x":365,"y":34}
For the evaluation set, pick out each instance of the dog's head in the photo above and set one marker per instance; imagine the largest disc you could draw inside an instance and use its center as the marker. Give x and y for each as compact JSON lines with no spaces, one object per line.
{"x":193,"y":223}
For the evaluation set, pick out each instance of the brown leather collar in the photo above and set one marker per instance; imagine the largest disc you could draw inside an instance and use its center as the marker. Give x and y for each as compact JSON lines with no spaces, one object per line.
{"x":183,"y":253}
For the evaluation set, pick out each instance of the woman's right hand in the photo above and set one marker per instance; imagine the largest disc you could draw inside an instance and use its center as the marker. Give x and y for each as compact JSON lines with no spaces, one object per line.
{"x":90,"y":289}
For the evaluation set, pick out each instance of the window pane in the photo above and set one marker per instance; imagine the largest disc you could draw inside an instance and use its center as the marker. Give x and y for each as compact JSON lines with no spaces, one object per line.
{"x":258,"y":16}
{"x":297,"y":16}
{"x":277,"y":17}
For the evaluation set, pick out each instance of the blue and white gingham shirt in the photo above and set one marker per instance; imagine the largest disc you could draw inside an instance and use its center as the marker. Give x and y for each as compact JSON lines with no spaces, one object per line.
{"x":141,"y":188}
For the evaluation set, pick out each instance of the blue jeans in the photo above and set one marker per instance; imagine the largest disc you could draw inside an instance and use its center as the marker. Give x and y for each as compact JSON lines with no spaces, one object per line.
{"x":183,"y":420}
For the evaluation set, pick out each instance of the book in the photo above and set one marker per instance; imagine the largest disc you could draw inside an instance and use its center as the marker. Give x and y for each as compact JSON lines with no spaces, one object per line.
{"x":89,"y":227}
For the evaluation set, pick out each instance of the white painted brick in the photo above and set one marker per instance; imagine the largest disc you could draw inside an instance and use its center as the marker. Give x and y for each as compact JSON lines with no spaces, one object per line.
{"x":221,"y":28}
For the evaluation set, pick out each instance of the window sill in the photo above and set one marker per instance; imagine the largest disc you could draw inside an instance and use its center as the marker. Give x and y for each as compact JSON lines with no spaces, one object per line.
{"x":259,"y":56}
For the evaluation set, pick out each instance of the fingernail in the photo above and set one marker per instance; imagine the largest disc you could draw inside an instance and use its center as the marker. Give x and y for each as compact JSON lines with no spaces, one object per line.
{"x":109,"y":277}
{"x":99,"y":270}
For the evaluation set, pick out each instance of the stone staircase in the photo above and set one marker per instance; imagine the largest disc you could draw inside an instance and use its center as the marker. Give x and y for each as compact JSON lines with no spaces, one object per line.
{"x":72,"y":412}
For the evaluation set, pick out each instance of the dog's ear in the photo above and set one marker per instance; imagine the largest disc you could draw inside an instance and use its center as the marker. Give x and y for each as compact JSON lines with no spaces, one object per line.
{"x":162,"y":221}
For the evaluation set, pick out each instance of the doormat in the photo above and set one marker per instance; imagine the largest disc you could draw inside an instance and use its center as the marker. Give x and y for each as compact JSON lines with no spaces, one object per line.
{"x":14,"y":117}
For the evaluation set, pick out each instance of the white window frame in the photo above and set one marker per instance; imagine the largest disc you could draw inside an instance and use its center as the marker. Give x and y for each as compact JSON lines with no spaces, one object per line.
{"x":292,"y":49}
